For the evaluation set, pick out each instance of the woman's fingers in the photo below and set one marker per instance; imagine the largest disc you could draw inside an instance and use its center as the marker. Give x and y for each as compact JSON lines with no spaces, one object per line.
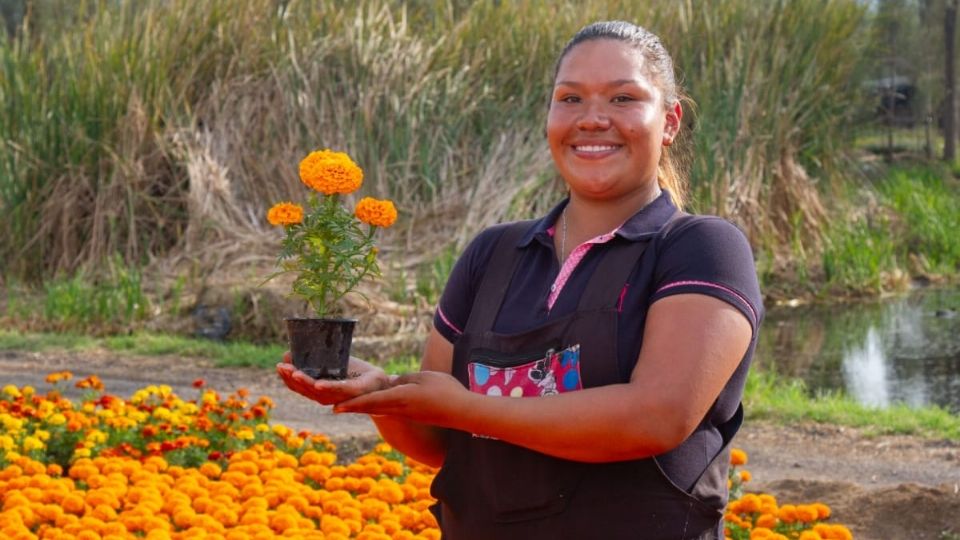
{"x":327,"y":391}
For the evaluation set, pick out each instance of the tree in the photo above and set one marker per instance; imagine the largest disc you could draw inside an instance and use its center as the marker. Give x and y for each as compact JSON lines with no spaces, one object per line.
{"x":950,"y":81}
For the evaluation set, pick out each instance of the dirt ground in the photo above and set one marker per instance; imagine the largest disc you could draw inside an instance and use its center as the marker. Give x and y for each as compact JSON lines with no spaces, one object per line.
{"x":882,"y":487}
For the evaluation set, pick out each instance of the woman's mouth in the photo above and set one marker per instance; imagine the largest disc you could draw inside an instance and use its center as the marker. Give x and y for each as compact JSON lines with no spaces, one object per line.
{"x":594,"y":150}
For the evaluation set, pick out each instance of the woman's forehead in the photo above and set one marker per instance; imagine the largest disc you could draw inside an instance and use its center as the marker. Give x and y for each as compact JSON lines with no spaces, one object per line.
{"x":603,"y":54}
{"x":602,"y":60}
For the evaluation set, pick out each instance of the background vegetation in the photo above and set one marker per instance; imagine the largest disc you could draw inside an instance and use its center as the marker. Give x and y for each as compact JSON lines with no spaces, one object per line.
{"x":141,"y":142}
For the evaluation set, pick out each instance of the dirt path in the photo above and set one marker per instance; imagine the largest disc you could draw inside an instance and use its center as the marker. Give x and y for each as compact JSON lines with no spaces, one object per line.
{"x":888,"y":487}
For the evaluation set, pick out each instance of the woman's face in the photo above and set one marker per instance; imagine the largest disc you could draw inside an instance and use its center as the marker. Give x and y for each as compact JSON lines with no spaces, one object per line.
{"x":608,"y":122}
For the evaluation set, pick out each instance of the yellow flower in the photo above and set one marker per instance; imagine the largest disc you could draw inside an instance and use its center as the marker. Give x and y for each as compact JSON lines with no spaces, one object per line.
{"x":285,"y":213}
{"x":32,"y":443}
{"x":330,"y":172}
{"x":379,"y":213}
{"x":6,"y":442}
{"x":11,"y":391}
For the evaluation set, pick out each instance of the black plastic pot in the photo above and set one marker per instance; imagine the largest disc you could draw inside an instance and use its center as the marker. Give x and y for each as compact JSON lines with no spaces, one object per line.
{"x":321,"y":347}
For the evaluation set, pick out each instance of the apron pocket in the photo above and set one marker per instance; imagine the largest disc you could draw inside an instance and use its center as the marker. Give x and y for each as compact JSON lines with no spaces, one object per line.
{"x":523,"y":484}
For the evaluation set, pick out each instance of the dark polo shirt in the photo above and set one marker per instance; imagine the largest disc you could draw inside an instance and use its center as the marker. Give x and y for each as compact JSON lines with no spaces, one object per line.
{"x":704,"y":255}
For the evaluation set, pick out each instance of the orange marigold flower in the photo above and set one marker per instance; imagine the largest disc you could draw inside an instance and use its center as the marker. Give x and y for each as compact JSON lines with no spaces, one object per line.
{"x":54,"y":378}
{"x":823,"y":511}
{"x":379,"y":213}
{"x":767,"y":520}
{"x":806,"y":513}
{"x":92,"y":382}
{"x":745,"y":476}
{"x":330,"y":172}
{"x":788,"y":513}
{"x":738,"y":457}
{"x":284,"y":213}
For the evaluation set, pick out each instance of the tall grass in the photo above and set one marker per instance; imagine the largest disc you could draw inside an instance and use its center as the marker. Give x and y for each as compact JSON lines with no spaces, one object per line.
{"x":909,"y":227}
{"x":162,"y":128}
{"x":930,"y":212}
{"x":111,"y":302}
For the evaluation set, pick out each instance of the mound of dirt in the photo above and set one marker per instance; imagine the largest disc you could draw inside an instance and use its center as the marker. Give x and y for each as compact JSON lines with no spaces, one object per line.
{"x":902,"y":511}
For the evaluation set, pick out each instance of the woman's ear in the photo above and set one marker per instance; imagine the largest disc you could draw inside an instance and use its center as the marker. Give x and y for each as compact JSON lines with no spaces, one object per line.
{"x":672,"y":125}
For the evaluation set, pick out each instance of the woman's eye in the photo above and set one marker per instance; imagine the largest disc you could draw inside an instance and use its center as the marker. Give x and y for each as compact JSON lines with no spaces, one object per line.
{"x":622,"y":99}
{"x":570,"y":99}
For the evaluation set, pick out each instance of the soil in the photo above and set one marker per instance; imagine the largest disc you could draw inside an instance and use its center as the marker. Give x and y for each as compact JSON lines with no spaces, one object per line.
{"x":881,"y":487}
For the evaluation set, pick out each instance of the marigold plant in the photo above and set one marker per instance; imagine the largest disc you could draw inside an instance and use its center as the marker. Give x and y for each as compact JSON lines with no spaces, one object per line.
{"x":758,"y":516}
{"x":326,"y":246}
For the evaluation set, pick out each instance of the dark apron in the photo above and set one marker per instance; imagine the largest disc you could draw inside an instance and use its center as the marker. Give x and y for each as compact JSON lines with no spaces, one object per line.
{"x":492,"y":490}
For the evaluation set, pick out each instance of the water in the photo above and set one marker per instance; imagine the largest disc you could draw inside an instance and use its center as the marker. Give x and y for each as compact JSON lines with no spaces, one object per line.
{"x":903,"y":350}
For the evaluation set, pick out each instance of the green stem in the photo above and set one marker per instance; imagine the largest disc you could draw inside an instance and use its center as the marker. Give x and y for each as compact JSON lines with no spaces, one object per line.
{"x":330,"y":206}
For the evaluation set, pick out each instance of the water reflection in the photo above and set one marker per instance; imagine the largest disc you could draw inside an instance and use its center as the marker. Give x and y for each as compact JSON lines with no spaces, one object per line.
{"x":905,"y":350}
{"x":865,"y":371}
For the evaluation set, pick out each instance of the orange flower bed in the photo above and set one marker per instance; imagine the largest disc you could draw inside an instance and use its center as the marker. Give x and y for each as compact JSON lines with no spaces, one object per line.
{"x":157,"y":466}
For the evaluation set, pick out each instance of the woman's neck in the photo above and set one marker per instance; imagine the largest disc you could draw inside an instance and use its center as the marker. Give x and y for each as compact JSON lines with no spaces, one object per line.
{"x":588,"y":218}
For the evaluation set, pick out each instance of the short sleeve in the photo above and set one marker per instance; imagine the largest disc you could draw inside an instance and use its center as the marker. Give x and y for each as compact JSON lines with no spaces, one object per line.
{"x":709,"y":255}
{"x":456,"y":302}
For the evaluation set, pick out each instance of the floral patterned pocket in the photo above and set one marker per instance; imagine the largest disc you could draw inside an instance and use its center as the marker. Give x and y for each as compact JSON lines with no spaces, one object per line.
{"x":496,"y":374}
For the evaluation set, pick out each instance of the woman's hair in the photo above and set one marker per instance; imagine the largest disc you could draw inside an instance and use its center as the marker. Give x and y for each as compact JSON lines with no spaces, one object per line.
{"x":659,"y":64}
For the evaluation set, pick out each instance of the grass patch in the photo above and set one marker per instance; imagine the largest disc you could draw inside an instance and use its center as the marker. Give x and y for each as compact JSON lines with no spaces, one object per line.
{"x":909,"y":230}
{"x":770,"y":397}
{"x":17,"y":341}
{"x":223,"y":354}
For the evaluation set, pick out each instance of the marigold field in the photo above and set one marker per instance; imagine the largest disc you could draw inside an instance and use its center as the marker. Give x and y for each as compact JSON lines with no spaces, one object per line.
{"x":159,"y":466}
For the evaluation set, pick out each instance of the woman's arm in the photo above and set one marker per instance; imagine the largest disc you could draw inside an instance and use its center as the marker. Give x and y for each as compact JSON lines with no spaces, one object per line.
{"x":692,"y":344}
{"x":422,"y":442}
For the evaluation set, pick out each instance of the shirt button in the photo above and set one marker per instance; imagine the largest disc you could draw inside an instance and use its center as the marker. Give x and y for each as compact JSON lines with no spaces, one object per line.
{"x":553,"y":288}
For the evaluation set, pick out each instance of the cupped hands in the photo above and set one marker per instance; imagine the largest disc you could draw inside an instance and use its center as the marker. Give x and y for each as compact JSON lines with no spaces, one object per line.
{"x":363,"y":378}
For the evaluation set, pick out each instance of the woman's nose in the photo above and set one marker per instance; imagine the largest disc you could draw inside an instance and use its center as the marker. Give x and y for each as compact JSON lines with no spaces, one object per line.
{"x":594,"y":118}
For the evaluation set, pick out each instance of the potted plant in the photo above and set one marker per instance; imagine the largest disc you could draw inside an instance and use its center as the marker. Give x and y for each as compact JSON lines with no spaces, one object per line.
{"x":330,"y":250}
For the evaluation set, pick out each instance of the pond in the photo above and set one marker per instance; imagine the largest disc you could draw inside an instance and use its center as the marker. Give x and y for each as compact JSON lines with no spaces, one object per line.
{"x":902,"y":350}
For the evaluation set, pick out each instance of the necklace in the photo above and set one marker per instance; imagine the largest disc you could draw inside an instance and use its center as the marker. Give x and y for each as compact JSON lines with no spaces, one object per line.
{"x":563,"y":236}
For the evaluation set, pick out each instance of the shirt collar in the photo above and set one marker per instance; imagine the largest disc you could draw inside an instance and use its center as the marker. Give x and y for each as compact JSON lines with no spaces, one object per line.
{"x":642,"y":225}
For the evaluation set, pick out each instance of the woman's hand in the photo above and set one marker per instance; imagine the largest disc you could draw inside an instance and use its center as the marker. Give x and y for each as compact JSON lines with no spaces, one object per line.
{"x":429,"y":397}
{"x":363,"y":378}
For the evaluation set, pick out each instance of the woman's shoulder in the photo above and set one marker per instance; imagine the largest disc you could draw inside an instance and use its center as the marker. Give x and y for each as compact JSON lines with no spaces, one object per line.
{"x":690,"y":227}
{"x":480,"y":250}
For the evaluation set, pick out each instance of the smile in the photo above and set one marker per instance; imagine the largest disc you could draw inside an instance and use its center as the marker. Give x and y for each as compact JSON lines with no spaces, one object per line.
{"x":596,"y":148}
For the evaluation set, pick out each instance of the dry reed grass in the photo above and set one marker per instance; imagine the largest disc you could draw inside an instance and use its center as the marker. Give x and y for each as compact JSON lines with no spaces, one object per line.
{"x":163,"y":130}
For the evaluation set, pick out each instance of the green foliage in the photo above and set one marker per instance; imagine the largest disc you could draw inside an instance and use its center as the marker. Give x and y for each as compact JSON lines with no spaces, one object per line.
{"x":442,"y":101}
{"x":912,"y":226}
{"x":432,"y":277}
{"x":329,"y":253}
{"x":930,"y":211}
{"x":402,"y":364}
{"x":83,"y":302}
{"x":786,"y":400}
{"x":223,"y":354}
{"x":859,"y":255}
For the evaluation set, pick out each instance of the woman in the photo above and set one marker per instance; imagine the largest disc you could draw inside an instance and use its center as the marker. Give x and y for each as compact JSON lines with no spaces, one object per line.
{"x":626,"y":327}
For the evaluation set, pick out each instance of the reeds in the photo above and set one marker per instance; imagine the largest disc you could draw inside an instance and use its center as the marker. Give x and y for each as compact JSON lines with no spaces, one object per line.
{"x":158,"y":129}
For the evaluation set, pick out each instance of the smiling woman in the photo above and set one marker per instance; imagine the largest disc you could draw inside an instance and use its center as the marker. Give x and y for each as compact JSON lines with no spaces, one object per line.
{"x":628,"y":352}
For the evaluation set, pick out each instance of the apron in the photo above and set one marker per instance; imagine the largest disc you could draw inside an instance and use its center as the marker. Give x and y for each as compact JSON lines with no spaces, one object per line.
{"x":492,"y":490}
